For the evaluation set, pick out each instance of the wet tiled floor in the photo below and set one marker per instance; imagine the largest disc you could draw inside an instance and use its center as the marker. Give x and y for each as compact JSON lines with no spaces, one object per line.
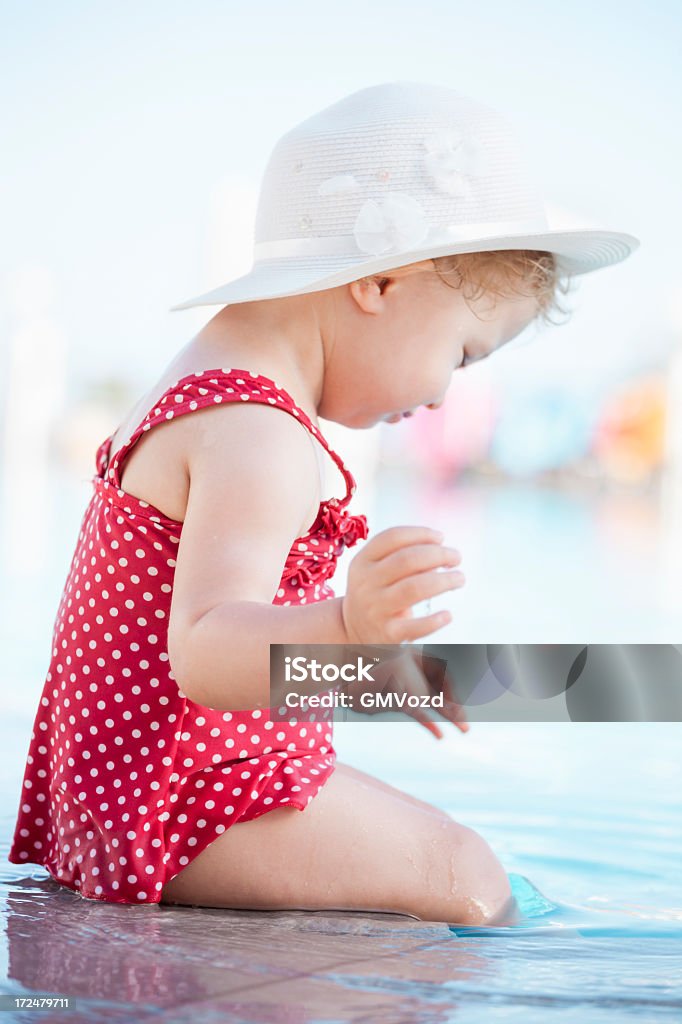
{"x":167,"y":963}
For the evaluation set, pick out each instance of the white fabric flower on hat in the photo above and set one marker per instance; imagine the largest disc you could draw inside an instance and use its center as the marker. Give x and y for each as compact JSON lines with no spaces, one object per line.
{"x":338,"y":183}
{"x":397,"y":222}
{"x":452,"y":158}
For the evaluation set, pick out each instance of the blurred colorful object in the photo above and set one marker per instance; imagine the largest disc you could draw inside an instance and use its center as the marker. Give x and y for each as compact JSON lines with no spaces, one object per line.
{"x":630,"y":436}
{"x":459,"y":433}
{"x":542,"y":430}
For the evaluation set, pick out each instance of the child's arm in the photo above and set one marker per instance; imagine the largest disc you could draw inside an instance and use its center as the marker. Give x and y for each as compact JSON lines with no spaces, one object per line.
{"x":253,"y":479}
{"x":252,"y":483}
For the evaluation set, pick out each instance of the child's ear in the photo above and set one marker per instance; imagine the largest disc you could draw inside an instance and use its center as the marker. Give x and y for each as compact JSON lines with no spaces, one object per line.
{"x":367,"y":292}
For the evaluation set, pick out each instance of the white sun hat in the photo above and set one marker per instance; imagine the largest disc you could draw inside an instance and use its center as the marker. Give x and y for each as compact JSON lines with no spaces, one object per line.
{"x":392,"y":174}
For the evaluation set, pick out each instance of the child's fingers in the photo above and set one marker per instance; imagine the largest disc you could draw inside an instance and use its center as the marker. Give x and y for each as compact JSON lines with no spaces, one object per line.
{"x":389,"y":576}
{"x":395,"y":537}
{"x":403,"y":629}
{"x":433,"y":729}
{"x":454,"y":715}
{"x":431,"y":725}
{"x":452,"y":711}
{"x":456,"y":711}
{"x":427,"y":722}
{"x":421,"y":587}
{"x":416,"y":558}
{"x":438,"y":675}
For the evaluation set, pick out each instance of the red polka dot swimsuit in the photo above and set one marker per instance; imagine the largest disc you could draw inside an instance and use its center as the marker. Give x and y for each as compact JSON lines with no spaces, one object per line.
{"x":127,"y":780}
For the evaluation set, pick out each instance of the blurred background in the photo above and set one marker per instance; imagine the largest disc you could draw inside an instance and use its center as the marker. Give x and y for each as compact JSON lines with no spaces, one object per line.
{"x":134,"y":141}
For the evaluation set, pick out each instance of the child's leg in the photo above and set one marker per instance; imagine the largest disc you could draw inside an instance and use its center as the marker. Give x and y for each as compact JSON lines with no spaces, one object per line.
{"x":371,"y":780}
{"x":356,"y":846}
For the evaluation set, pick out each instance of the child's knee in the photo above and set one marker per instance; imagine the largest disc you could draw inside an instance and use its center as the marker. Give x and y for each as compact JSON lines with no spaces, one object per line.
{"x":482,"y":881}
{"x":472,"y":886}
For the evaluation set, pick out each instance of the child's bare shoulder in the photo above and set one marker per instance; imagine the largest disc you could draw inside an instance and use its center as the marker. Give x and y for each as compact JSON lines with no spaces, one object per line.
{"x":250,"y":440}
{"x":254,"y":487}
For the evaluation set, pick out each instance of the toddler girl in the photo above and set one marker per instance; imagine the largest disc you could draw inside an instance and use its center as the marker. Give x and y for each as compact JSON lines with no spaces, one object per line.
{"x":155,"y":771}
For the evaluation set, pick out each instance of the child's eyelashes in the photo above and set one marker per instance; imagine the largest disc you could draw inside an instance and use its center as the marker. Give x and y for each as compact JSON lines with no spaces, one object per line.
{"x":467,"y":360}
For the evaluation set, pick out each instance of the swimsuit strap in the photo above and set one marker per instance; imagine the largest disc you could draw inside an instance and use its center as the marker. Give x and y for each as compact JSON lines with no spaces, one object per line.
{"x":208,"y":387}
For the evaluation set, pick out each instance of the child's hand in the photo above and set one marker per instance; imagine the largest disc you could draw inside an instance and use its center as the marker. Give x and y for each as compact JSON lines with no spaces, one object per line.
{"x":413,"y":674}
{"x":396,"y":569}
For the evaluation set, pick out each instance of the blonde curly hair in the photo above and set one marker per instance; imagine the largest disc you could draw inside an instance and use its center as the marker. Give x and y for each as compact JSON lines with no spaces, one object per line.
{"x":503,"y":273}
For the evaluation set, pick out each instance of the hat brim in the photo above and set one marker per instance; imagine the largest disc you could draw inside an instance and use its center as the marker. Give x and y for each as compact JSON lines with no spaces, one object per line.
{"x":578,"y":251}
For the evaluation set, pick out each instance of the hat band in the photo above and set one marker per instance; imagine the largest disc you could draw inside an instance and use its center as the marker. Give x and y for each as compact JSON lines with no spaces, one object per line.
{"x":345,"y":245}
